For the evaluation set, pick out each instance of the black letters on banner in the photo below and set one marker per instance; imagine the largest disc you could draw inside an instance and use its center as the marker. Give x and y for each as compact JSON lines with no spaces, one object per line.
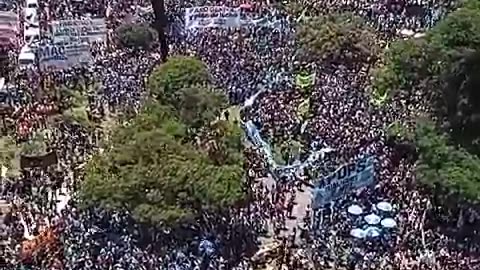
{"x":342,"y":173}
{"x":351,"y":168}
{"x":361,"y":165}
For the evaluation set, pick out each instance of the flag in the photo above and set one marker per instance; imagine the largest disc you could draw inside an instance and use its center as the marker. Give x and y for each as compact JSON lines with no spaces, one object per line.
{"x":379,"y":99}
{"x":4,"y":171}
{"x":304,"y":81}
{"x":303,"y":109}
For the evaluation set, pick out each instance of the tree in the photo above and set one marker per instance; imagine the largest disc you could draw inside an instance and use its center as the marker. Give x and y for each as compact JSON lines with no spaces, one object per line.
{"x":336,"y":38}
{"x":160,"y":170}
{"x":446,"y":167}
{"x":135,"y":36}
{"x":175,"y":74}
{"x":198,"y":106}
{"x":159,"y":177}
{"x":8,"y":154}
{"x":223,"y":142}
{"x":406,"y":66}
{"x":462,"y":99}
{"x":442,"y":66}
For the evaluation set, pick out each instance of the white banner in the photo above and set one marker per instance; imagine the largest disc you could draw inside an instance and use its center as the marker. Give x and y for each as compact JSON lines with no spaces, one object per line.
{"x":8,"y":27}
{"x":63,"y":56}
{"x":212,"y":16}
{"x":344,"y":180}
{"x":8,"y":18}
{"x":225,"y":17}
{"x":69,"y":31}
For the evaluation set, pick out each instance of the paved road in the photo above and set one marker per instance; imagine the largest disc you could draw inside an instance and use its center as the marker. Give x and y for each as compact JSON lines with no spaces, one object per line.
{"x":303,"y":198}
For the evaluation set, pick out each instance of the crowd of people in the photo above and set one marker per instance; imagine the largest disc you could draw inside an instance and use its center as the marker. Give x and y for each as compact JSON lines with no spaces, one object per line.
{"x":44,"y":229}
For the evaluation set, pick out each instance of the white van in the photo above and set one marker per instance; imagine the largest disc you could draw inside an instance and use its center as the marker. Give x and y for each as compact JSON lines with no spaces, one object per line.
{"x":26,"y":57}
{"x":31,"y":35}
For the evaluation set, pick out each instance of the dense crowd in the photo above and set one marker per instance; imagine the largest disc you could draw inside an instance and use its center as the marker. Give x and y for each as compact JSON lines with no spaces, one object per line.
{"x":46,"y":230}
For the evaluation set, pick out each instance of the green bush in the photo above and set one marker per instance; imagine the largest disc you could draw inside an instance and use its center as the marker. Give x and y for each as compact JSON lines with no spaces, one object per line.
{"x":136,"y":36}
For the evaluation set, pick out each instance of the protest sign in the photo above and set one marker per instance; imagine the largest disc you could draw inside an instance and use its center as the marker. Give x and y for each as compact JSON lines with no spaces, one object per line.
{"x":89,"y":30}
{"x":213,"y":16}
{"x":63,"y":56}
{"x":345,"y":179}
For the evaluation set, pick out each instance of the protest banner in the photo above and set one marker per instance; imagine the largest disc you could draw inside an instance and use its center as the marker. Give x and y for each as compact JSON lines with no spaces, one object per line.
{"x":63,"y":56}
{"x":212,"y":16}
{"x":69,"y":31}
{"x":224,"y":17}
{"x":42,"y":161}
{"x":344,"y":180}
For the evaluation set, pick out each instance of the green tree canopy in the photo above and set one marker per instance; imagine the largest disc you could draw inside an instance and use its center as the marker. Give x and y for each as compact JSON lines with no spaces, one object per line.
{"x":444,"y":67}
{"x":177,"y":73}
{"x":337,"y":37}
{"x":442,"y":165}
{"x":461,"y":99}
{"x":410,"y":62}
{"x":136,"y":36}
{"x":149,"y":170}
{"x":406,"y":66}
{"x":156,"y":167}
{"x":198,"y":106}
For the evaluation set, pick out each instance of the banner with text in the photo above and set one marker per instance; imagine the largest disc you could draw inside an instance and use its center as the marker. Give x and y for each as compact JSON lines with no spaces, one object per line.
{"x":89,"y":30}
{"x":213,"y":16}
{"x":63,"y":56}
{"x":225,"y":17}
{"x":344,"y":180}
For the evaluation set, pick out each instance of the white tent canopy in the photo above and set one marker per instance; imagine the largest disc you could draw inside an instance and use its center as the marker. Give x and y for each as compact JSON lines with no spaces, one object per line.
{"x":388,"y":223}
{"x":358,"y":233}
{"x":372,"y":219}
{"x":385,"y":206}
{"x":372,"y":232}
{"x":355,"y":210}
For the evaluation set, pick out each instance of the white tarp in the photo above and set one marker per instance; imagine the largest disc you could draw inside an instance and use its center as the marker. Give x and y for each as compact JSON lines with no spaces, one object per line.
{"x":84,"y":30}
{"x":63,"y":56}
